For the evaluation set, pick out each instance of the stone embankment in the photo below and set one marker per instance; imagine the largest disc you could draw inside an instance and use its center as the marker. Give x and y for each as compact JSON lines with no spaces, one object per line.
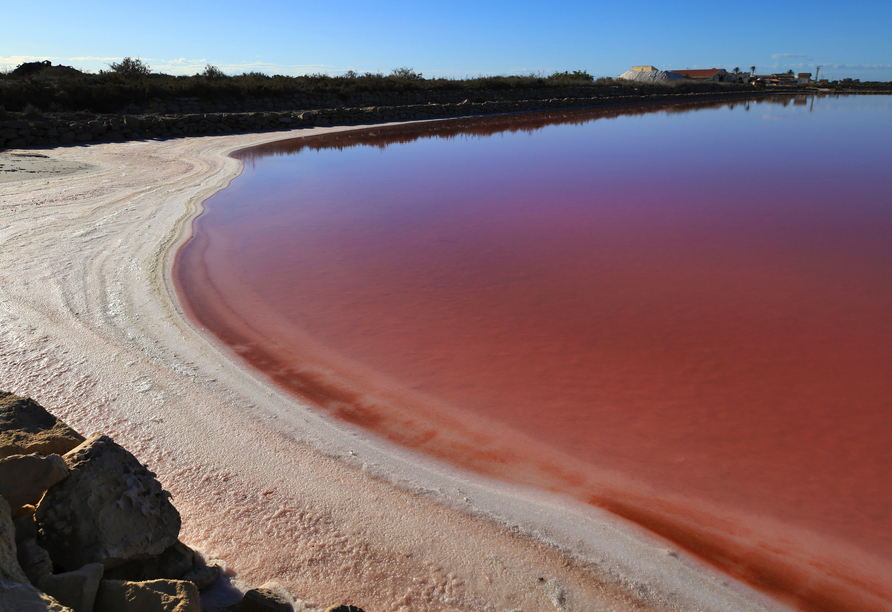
{"x":179,"y":118}
{"x":85,"y":527}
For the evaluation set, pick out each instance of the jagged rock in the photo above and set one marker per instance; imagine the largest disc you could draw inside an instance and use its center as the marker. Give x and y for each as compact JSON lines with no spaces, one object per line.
{"x":9,"y":566}
{"x":34,"y":560}
{"x":150,"y":596}
{"x":177,"y":562}
{"x":172,"y":564}
{"x":17,"y":597}
{"x":16,"y":593}
{"x":24,"y":478}
{"x":269,"y":597}
{"x":76,"y":589}
{"x":109,"y":509}
{"x":25,"y":528}
{"x":202,"y":577}
{"x":344,"y":608}
{"x":25,"y":428}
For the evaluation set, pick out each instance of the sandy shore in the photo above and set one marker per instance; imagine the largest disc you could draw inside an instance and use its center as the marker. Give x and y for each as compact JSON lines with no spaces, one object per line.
{"x":90,"y":327}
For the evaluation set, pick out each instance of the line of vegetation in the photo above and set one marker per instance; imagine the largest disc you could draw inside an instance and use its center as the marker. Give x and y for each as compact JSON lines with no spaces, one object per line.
{"x":62,"y":88}
{"x":42,"y":87}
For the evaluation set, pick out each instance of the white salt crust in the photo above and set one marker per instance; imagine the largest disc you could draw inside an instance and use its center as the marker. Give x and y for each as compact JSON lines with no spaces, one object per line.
{"x":91,"y":328}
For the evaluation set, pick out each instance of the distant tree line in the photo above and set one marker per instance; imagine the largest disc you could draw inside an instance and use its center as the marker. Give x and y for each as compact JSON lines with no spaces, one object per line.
{"x":62,"y":88}
{"x":43,"y":87}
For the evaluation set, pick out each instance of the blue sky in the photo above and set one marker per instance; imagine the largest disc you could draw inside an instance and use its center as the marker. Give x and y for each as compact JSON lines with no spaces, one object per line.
{"x":457,"y":38}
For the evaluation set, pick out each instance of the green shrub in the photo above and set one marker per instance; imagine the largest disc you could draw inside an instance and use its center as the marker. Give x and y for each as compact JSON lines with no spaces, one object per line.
{"x":406,"y":73}
{"x":577,"y":75}
{"x":213,"y":73}
{"x":131,"y":68}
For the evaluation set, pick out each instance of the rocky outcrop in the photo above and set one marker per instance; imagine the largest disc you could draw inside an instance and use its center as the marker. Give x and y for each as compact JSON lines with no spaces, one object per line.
{"x":175,"y":561}
{"x":25,"y":428}
{"x":151,"y":596}
{"x":269,"y":597}
{"x":16,"y":592}
{"x":109,"y":509}
{"x":24,"y":478}
{"x":202,"y":575}
{"x":76,"y":589}
{"x":34,"y":560}
{"x":103,"y":523}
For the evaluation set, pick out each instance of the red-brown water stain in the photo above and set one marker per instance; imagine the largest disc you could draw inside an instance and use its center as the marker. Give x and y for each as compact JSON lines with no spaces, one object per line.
{"x":817,"y":587}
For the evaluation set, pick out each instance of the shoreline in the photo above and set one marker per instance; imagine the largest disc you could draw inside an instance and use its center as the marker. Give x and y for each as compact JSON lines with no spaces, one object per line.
{"x":65,"y":128}
{"x":188,"y":398}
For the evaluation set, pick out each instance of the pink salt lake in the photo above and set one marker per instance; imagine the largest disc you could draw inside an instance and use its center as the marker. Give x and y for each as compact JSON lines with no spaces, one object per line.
{"x":677,"y":313}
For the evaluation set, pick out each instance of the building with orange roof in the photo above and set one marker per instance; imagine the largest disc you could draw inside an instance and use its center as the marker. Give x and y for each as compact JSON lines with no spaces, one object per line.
{"x":719,"y":75}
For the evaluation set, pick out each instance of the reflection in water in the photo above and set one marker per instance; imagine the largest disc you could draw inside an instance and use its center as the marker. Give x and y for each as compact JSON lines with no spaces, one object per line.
{"x":679,"y":316}
{"x":384,"y":136}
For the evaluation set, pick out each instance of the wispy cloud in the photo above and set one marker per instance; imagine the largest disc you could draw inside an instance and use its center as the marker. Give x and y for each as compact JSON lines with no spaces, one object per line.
{"x":176,"y":66}
{"x":539,"y":70}
{"x":786,"y":56}
{"x":271,"y":68}
{"x":92,"y":59}
{"x":12,"y":61}
{"x":858,"y":66}
{"x":832,"y":66}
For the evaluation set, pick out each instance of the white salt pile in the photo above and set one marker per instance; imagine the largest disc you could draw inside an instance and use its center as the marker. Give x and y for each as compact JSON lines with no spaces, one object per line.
{"x":650,"y":76}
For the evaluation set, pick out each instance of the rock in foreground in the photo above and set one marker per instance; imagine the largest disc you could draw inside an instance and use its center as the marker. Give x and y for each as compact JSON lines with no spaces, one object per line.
{"x":101,"y":514}
{"x":269,"y":597}
{"x":16,"y":592}
{"x":76,"y":590}
{"x":25,"y":428}
{"x":24,"y":478}
{"x":109,"y":509}
{"x":151,"y":596}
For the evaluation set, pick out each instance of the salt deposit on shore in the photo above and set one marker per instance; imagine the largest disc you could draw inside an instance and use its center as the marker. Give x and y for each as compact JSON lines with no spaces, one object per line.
{"x":90,"y":328}
{"x":650,"y":76}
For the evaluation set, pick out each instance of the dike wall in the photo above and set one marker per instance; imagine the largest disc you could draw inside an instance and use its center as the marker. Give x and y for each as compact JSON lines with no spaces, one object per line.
{"x":178,"y":119}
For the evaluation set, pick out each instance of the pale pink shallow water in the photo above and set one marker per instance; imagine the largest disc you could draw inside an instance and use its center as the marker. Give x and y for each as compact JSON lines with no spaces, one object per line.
{"x":686,"y":313}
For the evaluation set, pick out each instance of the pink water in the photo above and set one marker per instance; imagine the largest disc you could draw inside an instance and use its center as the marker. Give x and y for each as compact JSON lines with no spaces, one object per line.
{"x":681,"y":314}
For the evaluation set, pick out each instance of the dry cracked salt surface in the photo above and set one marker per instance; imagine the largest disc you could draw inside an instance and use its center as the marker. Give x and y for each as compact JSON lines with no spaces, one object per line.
{"x":91,"y":328}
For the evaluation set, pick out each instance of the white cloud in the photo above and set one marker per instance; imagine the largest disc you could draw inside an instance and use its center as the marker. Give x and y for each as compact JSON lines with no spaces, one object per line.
{"x":270,"y":68}
{"x":13,"y":61}
{"x":858,"y":66}
{"x":21,"y":59}
{"x":783,"y":56}
{"x":539,"y":70}
{"x":92,"y":59}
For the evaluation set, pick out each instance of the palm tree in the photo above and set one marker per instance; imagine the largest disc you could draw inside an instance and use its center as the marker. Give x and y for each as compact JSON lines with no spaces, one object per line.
{"x":753,"y":68}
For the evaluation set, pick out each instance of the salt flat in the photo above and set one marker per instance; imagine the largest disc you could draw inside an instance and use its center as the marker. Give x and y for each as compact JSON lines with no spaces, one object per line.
{"x":91,"y":328}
